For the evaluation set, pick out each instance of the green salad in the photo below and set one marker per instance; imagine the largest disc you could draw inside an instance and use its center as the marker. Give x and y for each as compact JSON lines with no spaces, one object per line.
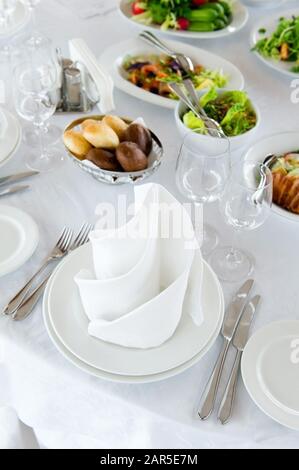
{"x":232,"y":109}
{"x":283,"y":44}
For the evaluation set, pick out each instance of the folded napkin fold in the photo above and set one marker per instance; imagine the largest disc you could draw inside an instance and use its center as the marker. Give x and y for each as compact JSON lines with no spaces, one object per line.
{"x":146,"y":274}
{"x":80,"y":52}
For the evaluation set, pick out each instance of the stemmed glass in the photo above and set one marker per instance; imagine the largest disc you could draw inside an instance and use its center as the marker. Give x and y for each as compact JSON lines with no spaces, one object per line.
{"x":245,"y":205}
{"x":7,"y":7}
{"x":35,"y":37}
{"x":43,"y":54}
{"x":35,"y":100}
{"x":202,"y":171}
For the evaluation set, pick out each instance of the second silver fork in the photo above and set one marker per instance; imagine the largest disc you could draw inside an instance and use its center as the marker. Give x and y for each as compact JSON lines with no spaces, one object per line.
{"x":58,"y":252}
{"x":30,"y":302}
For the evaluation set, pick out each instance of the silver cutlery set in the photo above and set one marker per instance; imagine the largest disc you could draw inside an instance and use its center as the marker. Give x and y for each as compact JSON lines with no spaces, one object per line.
{"x":235,"y":331}
{"x":22,"y":305}
{"x":6,"y":180}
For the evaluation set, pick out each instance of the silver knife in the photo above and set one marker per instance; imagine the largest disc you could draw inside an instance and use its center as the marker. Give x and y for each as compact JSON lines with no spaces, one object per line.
{"x":232,"y":317}
{"x":14,"y":178}
{"x":240,"y":340}
{"x":14,"y":190}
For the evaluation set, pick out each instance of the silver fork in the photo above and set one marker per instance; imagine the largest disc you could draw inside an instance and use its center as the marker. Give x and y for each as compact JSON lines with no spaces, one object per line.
{"x":29,"y":303}
{"x":58,"y":252}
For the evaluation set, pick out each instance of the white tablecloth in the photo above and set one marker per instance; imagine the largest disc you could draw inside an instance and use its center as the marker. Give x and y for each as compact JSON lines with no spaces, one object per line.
{"x":69,"y":409}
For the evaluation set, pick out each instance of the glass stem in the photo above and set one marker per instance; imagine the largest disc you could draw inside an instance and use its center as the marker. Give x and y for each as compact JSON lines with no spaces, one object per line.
{"x":41,"y":141}
{"x":232,"y":257}
{"x":199,"y":222}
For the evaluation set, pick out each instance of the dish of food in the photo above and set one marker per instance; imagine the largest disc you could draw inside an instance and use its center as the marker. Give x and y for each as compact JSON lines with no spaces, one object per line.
{"x":154,"y":73}
{"x":212,"y":68}
{"x":187,"y":18}
{"x":183,"y":15}
{"x":285,"y":169}
{"x":276,"y":42}
{"x":113,"y":149}
{"x":285,"y":173}
{"x":232,"y":110}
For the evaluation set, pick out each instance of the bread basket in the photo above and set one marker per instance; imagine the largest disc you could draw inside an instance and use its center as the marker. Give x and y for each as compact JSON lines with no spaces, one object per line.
{"x":111,"y":177}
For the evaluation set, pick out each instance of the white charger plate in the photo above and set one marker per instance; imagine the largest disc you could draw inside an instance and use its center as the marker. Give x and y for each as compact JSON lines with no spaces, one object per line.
{"x":71,"y":326}
{"x":19,"y":238}
{"x":209,"y":277}
{"x":11,"y":139}
{"x":276,"y":144}
{"x":113,"y":58}
{"x":19,"y":18}
{"x":271,"y":375}
{"x":270,"y":24}
{"x":240,"y":18}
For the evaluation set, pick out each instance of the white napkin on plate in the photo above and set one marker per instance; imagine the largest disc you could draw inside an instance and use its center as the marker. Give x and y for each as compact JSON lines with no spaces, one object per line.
{"x":80,"y":52}
{"x":144,"y":276}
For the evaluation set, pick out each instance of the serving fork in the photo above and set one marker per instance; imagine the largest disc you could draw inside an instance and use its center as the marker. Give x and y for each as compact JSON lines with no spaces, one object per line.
{"x":61,"y":248}
{"x":30,"y":302}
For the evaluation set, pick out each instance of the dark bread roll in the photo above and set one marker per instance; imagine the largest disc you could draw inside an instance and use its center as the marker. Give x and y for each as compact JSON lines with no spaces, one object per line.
{"x":131,"y":157}
{"x":141,"y":136}
{"x":104,"y":159}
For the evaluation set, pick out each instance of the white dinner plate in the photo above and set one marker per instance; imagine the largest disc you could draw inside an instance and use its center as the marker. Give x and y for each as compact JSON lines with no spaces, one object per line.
{"x":18,"y":20}
{"x":240,"y":18}
{"x":71,"y":326}
{"x":277,"y":144}
{"x":19,"y":238}
{"x":11,"y":138}
{"x":270,"y":24}
{"x":113,"y":57}
{"x":209,"y":278}
{"x":270,"y":369}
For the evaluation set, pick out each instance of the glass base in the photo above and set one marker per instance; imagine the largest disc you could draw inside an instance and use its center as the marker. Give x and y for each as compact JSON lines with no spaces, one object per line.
{"x":231,"y":265}
{"x":47,"y":162}
{"x":50,"y":136}
{"x":210,"y":240}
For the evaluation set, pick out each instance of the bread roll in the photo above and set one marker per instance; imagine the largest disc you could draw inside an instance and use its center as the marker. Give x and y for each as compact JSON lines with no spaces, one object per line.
{"x":101,"y":136}
{"x":131,"y":157}
{"x":87,"y":122}
{"x":76,"y":144}
{"x":104,"y":159}
{"x":117,"y":124}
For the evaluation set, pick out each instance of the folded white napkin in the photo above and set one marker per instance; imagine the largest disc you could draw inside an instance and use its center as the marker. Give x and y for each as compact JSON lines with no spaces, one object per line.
{"x":145,"y":274}
{"x":80,"y":52}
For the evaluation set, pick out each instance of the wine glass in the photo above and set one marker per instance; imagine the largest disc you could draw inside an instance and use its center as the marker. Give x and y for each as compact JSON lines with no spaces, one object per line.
{"x":202,"y":170}
{"x":35,"y":37}
{"x":245,"y":205}
{"x":35,"y":100}
{"x":43,"y":54}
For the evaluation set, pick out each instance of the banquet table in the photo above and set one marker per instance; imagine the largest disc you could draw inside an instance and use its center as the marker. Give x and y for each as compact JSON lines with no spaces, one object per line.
{"x":67,"y":408}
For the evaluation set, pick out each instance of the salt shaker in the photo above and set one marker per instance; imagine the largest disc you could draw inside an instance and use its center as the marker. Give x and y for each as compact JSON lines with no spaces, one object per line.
{"x":73,"y":88}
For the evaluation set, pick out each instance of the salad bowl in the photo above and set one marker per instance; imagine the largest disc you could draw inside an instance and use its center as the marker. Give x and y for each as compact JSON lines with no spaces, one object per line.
{"x":236,"y":142}
{"x":240,"y":17}
{"x":114,"y":57}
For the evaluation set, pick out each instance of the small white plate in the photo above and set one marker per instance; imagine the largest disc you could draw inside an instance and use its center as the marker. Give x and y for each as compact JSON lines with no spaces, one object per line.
{"x":19,"y":19}
{"x":277,"y":144}
{"x":71,"y":326}
{"x":240,"y":18}
{"x":19,"y":238}
{"x":209,"y":278}
{"x":11,"y":139}
{"x":113,"y":57}
{"x":270,"y":369}
{"x":270,"y":24}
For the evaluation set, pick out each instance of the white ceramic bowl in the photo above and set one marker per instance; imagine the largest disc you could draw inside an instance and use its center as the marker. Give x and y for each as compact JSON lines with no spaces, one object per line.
{"x":236,"y":143}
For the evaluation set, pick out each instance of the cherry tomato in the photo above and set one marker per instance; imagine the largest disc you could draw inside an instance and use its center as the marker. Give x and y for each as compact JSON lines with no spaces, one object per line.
{"x":197,"y":3}
{"x":183,"y":24}
{"x":136,"y":9}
